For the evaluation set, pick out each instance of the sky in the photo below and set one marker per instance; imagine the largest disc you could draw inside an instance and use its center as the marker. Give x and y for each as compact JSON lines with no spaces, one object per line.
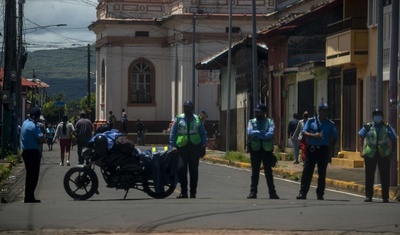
{"x":41,"y":16}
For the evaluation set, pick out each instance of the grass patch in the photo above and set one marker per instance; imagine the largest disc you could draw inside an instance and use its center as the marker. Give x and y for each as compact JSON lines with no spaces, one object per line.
{"x":4,"y":170}
{"x":236,"y":156}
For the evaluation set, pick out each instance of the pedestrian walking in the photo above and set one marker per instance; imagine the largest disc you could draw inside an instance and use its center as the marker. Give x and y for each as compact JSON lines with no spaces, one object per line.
{"x":49,"y":136}
{"x":378,"y":140}
{"x":31,"y":140}
{"x":298,"y":133}
{"x":124,"y":119}
{"x":261,"y":133}
{"x":111,"y":120}
{"x":84,"y":131}
{"x":321,"y":135}
{"x":140,"y":132}
{"x":64,"y":132}
{"x":188,"y":139}
{"x":295,"y":141}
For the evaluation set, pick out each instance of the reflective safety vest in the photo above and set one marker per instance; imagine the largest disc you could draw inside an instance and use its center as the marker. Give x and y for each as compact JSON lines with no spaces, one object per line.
{"x":377,"y":141}
{"x":188,"y":132}
{"x":255,"y":142}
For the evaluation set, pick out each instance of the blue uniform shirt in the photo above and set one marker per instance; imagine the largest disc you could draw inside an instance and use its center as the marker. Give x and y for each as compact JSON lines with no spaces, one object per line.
{"x":261,"y":134}
{"x":327,"y":128}
{"x":30,"y":134}
{"x":174,"y":132}
{"x":392,"y":134}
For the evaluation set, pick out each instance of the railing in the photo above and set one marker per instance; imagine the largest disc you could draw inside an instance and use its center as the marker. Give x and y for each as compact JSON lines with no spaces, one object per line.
{"x":347,"y":24}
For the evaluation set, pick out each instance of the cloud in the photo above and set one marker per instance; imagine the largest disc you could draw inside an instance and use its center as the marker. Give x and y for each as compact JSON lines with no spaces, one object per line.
{"x":41,"y":16}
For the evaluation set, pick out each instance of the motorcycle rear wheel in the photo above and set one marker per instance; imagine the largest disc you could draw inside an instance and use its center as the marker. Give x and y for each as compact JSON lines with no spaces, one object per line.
{"x":150,"y":190}
{"x":81,"y":183}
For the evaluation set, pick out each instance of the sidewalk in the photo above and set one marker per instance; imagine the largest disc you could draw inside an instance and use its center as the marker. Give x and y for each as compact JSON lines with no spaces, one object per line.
{"x":347,"y":179}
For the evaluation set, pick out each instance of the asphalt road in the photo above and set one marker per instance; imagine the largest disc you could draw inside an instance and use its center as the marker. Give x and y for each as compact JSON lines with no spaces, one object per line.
{"x":221,"y":207}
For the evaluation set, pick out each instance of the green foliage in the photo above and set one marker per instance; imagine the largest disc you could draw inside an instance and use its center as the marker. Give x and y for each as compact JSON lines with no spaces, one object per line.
{"x":64,"y":70}
{"x":236,"y":156}
{"x":84,"y":102}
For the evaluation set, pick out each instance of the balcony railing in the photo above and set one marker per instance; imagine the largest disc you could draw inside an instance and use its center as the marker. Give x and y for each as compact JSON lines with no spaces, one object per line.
{"x":347,"y":24}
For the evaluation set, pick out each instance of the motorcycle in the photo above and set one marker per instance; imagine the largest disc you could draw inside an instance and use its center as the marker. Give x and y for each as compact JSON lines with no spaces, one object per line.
{"x":123,"y":166}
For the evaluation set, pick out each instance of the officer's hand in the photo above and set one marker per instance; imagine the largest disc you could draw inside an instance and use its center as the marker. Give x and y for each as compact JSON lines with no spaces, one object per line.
{"x":174,"y":150}
{"x":367,"y":127}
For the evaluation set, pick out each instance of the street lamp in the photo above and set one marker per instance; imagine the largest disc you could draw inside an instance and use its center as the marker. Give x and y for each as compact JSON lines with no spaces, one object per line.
{"x":46,"y":26}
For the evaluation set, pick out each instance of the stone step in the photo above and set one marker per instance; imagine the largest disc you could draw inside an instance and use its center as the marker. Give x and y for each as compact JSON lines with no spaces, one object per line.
{"x":285,"y":156}
{"x":350,"y":155}
{"x":349,"y":163}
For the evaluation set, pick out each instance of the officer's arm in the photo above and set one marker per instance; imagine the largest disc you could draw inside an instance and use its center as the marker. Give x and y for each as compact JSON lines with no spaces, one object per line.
{"x":267,"y":135}
{"x":40,"y":137}
{"x":363,"y":133}
{"x":173,"y":133}
{"x":250,"y":130}
{"x":392,"y":133}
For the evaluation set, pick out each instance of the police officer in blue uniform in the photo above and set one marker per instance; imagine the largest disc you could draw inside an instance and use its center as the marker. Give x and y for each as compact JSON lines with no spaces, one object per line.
{"x":261,"y":133}
{"x":188,"y":138}
{"x":377,"y":151}
{"x":32,"y":139}
{"x":321,"y":135}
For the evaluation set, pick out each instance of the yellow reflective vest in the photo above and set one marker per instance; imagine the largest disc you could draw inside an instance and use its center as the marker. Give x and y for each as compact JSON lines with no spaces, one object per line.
{"x":188,"y":132}
{"x":256,"y":143}
{"x":377,"y":141}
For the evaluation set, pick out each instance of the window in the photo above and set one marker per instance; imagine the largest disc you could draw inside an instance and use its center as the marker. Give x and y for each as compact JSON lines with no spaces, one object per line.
{"x":142,"y":34}
{"x":234,"y":29}
{"x":141,"y":82}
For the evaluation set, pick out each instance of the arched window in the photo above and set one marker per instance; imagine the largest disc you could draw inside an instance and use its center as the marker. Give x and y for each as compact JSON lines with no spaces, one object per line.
{"x":141,"y":82}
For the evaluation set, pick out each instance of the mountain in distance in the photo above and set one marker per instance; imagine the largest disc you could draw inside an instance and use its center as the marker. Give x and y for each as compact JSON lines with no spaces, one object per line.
{"x":64,"y":70}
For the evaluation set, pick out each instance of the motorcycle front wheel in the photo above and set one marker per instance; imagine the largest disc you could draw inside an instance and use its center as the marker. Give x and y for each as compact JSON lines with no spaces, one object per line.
{"x":81,"y":183}
{"x":164,"y":192}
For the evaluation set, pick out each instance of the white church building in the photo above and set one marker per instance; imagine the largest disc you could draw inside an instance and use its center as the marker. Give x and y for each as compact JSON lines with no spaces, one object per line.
{"x":146,"y":51}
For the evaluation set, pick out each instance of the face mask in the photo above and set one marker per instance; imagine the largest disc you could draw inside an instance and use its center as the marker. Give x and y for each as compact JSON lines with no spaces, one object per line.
{"x":378,"y":119}
{"x":259,"y":117}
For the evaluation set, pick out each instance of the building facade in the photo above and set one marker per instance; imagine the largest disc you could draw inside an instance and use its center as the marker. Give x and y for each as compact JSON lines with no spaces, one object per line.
{"x":146,"y":51}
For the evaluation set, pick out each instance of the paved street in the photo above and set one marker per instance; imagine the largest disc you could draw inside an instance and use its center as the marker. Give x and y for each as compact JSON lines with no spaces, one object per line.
{"x":221,"y":208}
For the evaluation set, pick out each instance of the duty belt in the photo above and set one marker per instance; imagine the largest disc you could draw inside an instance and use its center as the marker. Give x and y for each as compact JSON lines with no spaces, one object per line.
{"x":313,"y":148}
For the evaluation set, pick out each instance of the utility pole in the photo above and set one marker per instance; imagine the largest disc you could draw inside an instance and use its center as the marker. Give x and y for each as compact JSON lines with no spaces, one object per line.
{"x":89,"y":111}
{"x":10,"y":68}
{"x":254,"y":53}
{"x":18,"y":86}
{"x":176,"y":73}
{"x":194,"y":62}
{"x":228,"y":104}
{"x":379,"y":69}
{"x":393,"y":83}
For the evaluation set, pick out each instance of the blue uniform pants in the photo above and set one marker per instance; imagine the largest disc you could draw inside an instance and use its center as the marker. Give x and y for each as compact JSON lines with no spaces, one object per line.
{"x":189,"y":157}
{"x":384,"y":172}
{"x":32,"y":166}
{"x":256,"y":157}
{"x":315,"y":155}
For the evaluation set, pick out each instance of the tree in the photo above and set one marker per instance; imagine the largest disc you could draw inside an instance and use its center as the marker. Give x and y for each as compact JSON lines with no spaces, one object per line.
{"x":84,"y":104}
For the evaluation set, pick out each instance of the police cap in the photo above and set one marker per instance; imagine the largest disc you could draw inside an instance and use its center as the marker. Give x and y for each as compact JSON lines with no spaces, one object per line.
{"x":323,"y":106}
{"x":188,"y":103}
{"x":261,"y":107}
{"x":377,"y":112}
{"x":35,"y":112}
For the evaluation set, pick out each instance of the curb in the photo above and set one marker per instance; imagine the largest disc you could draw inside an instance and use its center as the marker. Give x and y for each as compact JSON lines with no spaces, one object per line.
{"x":296,"y":176}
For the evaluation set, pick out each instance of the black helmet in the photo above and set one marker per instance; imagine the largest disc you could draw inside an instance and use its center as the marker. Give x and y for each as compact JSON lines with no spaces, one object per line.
{"x":101,"y":145}
{"x":377,"y":112}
